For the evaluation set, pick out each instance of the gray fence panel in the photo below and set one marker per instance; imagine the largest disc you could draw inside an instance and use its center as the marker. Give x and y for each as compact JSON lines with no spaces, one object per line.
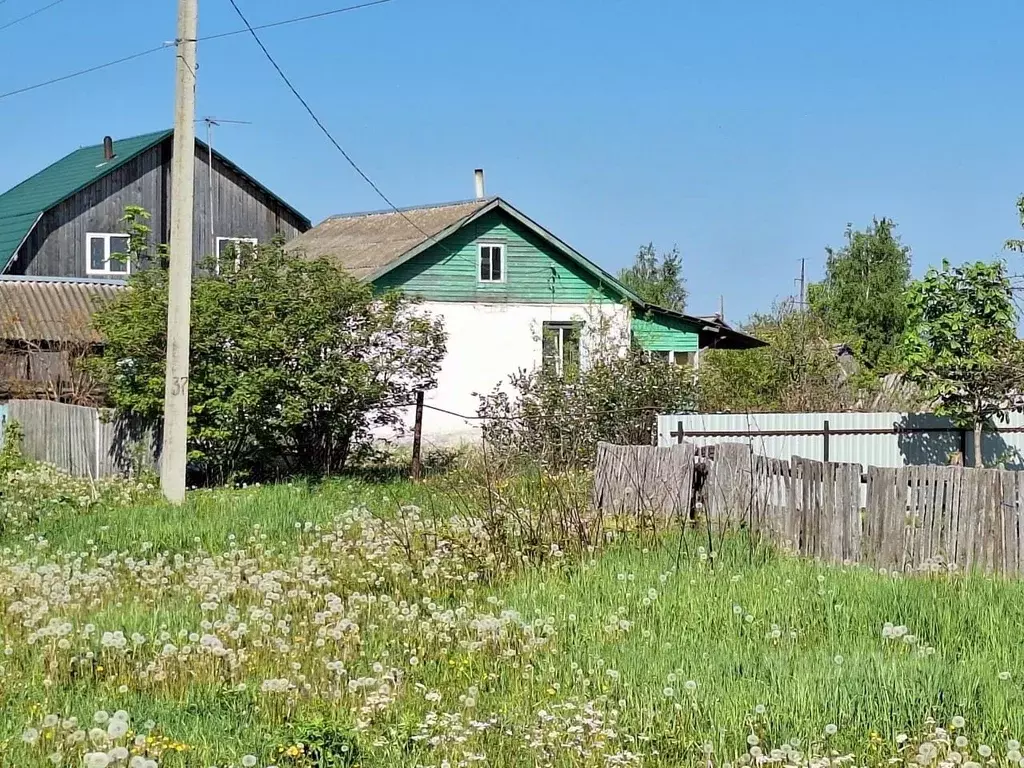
{"x":909,"y":439}
{"x":77,"y":440}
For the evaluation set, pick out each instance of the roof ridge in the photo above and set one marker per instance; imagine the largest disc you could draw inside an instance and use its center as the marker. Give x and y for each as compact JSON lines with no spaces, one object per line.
{"x":61,"y":280}
{"x":406,"y":209}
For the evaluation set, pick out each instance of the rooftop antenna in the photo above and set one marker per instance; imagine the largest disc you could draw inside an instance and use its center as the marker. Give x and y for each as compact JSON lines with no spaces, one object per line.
{"x":210,"y":123}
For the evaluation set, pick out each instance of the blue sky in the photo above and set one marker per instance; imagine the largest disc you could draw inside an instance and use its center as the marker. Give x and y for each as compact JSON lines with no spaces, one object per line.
{"x":747,"y":133}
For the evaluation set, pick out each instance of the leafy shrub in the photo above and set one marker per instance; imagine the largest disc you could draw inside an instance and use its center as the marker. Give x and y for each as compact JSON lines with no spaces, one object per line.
{"x":293,"y":363}
{"x":557,"y":420}
{"x":320,"y":744}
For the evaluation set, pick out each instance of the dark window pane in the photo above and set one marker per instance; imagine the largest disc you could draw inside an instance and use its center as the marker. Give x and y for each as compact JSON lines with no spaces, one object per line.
{"x":571,"y":347}
{"x":485,"y":263}
{"x":549,"y":347}
{"x":97,"y":253}
{"x":496,"y":264}
{"x":118,"y":253}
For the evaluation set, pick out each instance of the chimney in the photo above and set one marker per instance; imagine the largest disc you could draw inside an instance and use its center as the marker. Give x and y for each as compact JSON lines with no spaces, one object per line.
{"x":478,"y":176}
{"x":108,"y":148}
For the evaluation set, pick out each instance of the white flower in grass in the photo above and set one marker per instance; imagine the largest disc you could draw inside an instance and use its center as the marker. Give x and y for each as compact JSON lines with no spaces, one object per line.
{"x":972,"y":764}
{"x":96,"y":760}
{"x":138,"y":761}
{"x":831,"y":729}
{"x":50,"y":721}
{"x":117,"y":754}
{"x":838,"y":660}
{"x":690,"y":686}
{"x":249,"y":761}
{"x":958,"y":722}
{"x":30,"y":736}
{"x":668,"y":692}
{"x":101,"y":717}
{"x":985,"y":751}
{"x":97,"y":736}
{"x":760,"y":709}
{"x":1004,"y":676}
{"x":961,"y":742}
{"x":116,"y":729}
{"x":752,"y":740}
{"x":56,"y":758}
{"x":1013,"y":745}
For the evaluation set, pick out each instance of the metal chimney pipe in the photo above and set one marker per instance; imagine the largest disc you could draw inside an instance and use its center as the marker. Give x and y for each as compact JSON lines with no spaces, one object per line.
{"x":108,"y":148}
{"x":478,"y":176}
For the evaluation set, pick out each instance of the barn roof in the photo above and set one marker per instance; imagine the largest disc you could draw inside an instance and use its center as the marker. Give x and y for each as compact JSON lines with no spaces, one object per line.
{"x":53,"y":309}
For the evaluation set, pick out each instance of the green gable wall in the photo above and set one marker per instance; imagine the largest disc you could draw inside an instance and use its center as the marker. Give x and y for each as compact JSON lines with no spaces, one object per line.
{"x":665,"y":334}
{"x":535,"y":272}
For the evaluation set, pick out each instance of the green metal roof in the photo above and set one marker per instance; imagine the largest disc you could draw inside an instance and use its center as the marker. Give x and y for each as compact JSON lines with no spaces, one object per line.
{"x":21,"y":206}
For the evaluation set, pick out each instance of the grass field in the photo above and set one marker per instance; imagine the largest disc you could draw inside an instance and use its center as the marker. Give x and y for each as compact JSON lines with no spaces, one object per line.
{"x":335,"y":625}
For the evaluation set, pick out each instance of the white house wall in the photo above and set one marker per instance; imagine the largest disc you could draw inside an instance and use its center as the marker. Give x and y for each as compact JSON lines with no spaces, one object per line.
{"x":487,"y":343}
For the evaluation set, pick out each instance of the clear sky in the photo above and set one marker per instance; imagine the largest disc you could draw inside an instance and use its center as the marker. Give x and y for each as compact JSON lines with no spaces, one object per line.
{"x":749,"y":133}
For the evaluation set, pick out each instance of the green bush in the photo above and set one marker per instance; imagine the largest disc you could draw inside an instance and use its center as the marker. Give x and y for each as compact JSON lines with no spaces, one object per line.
{"x":557,"y":420}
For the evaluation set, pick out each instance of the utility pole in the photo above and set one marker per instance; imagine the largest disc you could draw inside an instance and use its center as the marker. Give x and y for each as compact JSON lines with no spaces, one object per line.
{"x":172,"y":474}
{"x":803,"y":283}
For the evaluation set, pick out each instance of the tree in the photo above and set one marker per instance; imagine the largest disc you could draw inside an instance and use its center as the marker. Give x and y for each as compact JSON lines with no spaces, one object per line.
{"x":293,"y":362}
{"x":657,"y":279}
{"x":797,"y":371}
{"x":961,"y":344}
{"x":862,"y":300}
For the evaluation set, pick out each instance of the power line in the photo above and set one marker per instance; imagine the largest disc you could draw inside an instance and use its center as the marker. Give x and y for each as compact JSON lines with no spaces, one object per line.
{"x":36,"y":12}
{"x":86,"y":71}
{"x":319,"y":122}
{"x":296,"y":20}
{"x":171,"y":44}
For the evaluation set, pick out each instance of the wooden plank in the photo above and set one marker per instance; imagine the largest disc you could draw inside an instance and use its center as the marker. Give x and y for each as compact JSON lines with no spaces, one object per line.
{"x":1008,"y":519}
{"x":827,"y":518}
{"x":967,"y":520}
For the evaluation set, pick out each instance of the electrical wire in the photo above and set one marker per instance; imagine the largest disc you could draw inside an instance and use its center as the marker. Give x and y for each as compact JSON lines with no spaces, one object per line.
{"x":296,"y":20}
{"x":321,"y":125}
{"x":36,"y":12}
{"x":171,"y":44}
{"x":86,"y":71}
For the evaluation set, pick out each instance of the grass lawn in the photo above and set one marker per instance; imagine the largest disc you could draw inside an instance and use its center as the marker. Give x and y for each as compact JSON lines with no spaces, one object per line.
{"x":333,"y":626}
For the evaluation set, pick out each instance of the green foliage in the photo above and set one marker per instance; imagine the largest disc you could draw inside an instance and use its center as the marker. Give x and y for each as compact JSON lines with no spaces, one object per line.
{"x":292,"y":364}
{"x":558,"y":420}
{"x":961,"y":347}
{"x":1016,"y":244}
{"x":320,"y":743}
{"x":862,"y":300}
{"x":657,"y":279}
{"x":11,"y":457}
{"x":797,"y":371}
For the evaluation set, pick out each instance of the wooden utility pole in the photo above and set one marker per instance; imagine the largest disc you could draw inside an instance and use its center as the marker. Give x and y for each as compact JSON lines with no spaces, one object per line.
{"x":172,"y":470}
{"x":803,"y":283}
{"x":417,"y":439}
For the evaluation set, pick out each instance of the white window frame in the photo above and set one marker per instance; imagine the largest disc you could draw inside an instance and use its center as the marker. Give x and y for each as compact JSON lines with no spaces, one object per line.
{"x":105,"y":236}
{"x":480,"y":260}
{"x":561,"y":329}
{"x":254,"y":242}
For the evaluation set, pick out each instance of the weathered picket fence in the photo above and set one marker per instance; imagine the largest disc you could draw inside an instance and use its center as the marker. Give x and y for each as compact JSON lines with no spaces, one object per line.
{"x":910,"y":518}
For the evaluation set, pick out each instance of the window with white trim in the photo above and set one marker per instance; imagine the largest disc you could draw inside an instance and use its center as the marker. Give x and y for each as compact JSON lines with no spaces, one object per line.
{"x":560,"y":347}
{"x":492,"y":262}
{"x":231,"y":249}
{"x":106,"y":254}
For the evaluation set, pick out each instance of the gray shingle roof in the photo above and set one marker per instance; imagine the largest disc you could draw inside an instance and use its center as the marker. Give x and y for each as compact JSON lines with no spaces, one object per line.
{"x":364,"y":243}
{"x":53,"y":309}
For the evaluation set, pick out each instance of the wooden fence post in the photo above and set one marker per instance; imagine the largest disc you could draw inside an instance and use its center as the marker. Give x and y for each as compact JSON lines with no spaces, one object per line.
{"x":417,"y":439}
{"x":825,"y":435}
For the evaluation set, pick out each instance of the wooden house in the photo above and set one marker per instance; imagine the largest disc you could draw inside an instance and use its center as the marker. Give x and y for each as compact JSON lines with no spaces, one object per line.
{"x":65,"y":221}
{"x":512,"y":295}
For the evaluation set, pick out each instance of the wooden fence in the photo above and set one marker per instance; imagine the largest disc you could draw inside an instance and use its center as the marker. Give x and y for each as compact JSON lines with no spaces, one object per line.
{"x":910,"y":518}
{"x":84,"y":442}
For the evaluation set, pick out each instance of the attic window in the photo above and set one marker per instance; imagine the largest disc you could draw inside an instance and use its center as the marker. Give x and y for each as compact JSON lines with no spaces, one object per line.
{"x":106,"y":254}
{"x":492,"y":263}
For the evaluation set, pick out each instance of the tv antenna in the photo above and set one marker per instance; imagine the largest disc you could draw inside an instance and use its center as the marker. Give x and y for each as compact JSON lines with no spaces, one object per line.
{"x":211,"y":123}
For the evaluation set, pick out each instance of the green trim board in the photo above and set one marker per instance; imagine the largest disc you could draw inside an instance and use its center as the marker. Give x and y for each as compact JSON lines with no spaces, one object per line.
{"x":535,"y":272}
{"x":664,"y":333}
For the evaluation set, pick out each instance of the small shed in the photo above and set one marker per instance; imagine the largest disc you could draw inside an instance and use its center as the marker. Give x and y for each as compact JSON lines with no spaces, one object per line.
{"x":46,"y":332}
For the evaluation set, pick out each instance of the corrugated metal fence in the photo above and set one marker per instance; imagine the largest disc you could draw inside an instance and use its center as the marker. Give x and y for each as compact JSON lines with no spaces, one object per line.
{"x":85,"y":442}
{"x":870,"y":439}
